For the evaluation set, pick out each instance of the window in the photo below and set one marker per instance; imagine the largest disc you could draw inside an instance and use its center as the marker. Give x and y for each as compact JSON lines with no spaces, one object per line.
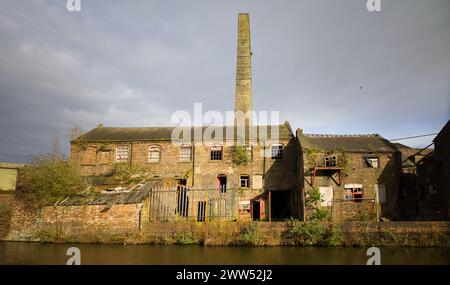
{"x":353,"y":192}
{"x":249,"y":152}
{"x":222,"y":183}
{"x":122,"y":153}
{"x":330,"y":161}
{"x":245,"y":181}
{"x":371,"y":162}
{"x":185,"y":153}
{"x":154,"y":154}
{"x":277,"y":151}
{"x":216,"y":153}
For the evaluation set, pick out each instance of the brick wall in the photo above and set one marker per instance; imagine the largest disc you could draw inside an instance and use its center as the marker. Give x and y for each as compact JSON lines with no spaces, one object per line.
{"x":74,"y":220}
{"x":387,"y":174}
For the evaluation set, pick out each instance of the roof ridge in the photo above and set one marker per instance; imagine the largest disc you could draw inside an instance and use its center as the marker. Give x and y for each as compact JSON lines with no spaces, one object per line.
{"x":342,"y":135}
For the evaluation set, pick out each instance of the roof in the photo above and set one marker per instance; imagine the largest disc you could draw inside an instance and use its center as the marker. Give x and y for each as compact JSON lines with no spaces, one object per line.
{"x":349,"y":143}
{"x":444,"y":132}
{"x":102,"y":134}
{"x":10,"y":165}
{"x":132,"y":197}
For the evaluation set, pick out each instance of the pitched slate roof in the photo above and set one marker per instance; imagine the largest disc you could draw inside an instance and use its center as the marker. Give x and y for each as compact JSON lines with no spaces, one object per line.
{"x":161,"y":133}
{"x":350,"y":143}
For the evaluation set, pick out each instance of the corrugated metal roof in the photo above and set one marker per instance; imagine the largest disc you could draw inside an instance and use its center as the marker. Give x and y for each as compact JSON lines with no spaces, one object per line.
{"x":132,"y":197}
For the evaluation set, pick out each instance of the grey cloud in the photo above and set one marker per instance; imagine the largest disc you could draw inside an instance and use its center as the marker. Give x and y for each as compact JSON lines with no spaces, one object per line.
{"x":327,"y":66}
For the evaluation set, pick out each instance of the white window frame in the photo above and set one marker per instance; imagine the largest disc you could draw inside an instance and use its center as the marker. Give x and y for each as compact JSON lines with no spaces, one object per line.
{"x":151,"y":157}
{"x":279,"y":156}
{"x":241,"y":179}
{"x":369,"y":160}
{"x":216,"y":148}
{"x":183,"y":156}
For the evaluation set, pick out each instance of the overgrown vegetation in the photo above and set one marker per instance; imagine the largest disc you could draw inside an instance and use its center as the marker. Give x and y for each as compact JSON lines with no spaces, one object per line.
{"x":250,"y":235}
{"x":239,"y":155}
{"x":312,"y":203}
{"x":5,"y":218}
{"x":129,"y":173}
{"x":49,"y":179}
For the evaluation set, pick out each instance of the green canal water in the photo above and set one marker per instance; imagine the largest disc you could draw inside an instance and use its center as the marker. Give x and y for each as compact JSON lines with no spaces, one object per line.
{"x":36,"y":253}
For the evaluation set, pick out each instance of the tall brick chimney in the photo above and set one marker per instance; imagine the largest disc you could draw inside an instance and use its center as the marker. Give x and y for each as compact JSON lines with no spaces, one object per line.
{"x":243,"y":99}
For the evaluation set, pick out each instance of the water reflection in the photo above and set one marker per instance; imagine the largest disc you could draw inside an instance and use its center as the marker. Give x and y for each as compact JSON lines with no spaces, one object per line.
{"x":36,"y":253}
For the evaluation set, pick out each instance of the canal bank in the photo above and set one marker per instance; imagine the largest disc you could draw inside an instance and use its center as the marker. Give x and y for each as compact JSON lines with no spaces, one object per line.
{"x":290,"y":233}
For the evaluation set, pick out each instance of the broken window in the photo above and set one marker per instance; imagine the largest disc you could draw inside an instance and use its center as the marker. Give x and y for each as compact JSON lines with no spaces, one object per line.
{"x":277,"y":151}
{"x":216,"y":153}
{"x":222,"y":183}
{"x":122,"y":153}
{"x":330,"y":161}
{"x":154,"y":154}
{"x":371,"y":162}
{"x":185,"y":153}
{"x":245,"y":181}
{"x":353,"y":193}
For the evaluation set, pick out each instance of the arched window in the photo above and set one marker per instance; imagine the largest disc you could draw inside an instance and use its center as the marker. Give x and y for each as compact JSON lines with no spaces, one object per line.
{"x":154,"y":154}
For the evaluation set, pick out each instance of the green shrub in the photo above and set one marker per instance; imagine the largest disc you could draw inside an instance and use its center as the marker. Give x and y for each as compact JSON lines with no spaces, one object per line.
{"x":49,"y":179}
{"x":250,"y":235}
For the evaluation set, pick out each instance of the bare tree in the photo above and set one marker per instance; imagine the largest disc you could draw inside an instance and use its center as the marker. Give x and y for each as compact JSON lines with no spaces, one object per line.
{"x":74,"y":132}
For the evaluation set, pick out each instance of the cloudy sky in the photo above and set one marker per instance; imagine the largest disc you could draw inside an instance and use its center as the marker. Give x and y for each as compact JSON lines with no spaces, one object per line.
{"x":326,"y":66}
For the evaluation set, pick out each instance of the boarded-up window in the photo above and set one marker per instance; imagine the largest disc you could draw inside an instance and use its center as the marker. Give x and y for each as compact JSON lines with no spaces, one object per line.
{"x":380,"y":192}
{"x":103,"y":157}
{"x":154,"y":154}
{"x":122,"y":153}
{"x":326,"y":195}
{"x":89,"y":156}
{"x":257,"y":181}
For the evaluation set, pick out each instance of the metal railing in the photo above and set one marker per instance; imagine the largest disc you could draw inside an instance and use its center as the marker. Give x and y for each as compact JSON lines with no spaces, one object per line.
{"x":184,"y":203}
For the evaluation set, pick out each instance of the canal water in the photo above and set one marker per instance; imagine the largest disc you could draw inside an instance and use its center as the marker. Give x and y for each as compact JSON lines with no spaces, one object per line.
{"x":37,"y":253}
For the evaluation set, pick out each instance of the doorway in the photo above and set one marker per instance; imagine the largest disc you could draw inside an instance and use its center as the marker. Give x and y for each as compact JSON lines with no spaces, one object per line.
{"x":222,"y":183}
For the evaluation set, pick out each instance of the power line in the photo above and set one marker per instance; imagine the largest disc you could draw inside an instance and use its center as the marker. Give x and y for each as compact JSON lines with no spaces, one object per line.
{"x":413,"y":137}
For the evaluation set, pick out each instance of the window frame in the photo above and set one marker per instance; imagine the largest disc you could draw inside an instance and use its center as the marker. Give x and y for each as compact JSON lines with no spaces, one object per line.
{"x":331,"y":159}
{"x":153,"y":149}
{"x":367,"y":157}
{"x":244,"y":177}
{"x":279,"y":155}
{"x":213,"y":153}
{"x":182,"y":157}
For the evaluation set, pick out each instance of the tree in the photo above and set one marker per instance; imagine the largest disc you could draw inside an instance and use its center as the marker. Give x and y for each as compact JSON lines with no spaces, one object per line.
{"x":74,"y":132}
{"x":49,"y":179}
